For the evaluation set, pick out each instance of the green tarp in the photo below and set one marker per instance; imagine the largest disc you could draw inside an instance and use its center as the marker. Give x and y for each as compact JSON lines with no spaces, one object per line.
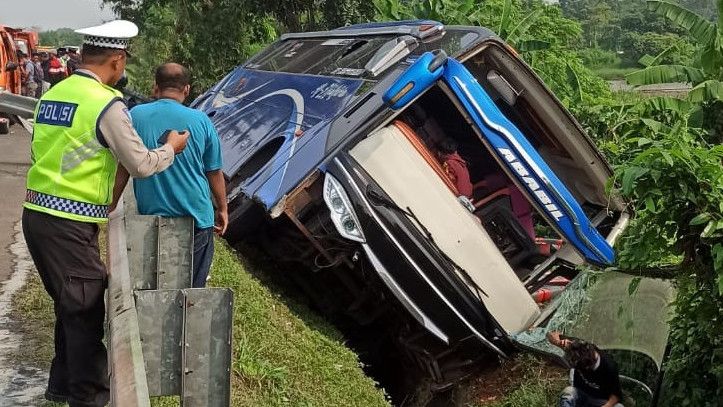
{"x":615,"y":311}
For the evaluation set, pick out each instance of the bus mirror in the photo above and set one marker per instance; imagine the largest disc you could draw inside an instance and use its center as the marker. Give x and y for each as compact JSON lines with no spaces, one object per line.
{"x":416,"y":79}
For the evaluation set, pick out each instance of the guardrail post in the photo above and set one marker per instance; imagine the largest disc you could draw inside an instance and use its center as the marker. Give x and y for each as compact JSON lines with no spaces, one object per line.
{"x":165,"y":338}
{"x":128,"y":384}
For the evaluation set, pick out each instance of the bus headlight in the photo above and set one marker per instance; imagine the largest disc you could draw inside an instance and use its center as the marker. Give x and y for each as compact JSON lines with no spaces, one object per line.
{"x":341,"y":211}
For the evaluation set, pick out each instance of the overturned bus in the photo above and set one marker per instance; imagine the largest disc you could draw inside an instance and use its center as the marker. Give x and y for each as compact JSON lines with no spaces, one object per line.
{"x":332,"y":154}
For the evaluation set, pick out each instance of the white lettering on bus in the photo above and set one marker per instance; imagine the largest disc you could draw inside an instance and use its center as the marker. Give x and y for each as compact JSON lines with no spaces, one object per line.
{"x":531,"y":183}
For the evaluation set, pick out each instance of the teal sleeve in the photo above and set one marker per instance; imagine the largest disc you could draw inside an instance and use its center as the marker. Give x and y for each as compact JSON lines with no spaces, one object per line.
{"x":212,"y":152}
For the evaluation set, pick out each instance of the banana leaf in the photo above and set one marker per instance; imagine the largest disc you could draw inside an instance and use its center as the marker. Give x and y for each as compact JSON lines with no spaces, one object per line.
{"x":505,"y":20}
{"x":706,"y":91}
{"x":524,"y":25}
{"x":665,"y":74}
{"x":697,"y":26}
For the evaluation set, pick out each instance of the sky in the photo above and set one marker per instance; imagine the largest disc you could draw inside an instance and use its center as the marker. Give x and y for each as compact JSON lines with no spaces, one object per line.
{"x":52,"y":14}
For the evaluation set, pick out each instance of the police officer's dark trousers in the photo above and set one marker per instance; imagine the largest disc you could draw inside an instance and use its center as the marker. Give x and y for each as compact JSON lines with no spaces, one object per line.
{"x":66,"y":255}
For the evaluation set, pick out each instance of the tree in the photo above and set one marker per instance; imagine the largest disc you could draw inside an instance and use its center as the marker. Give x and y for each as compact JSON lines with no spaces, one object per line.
{"x":705,"y":8}
{"x":211,"y":37}
{"x":60,"y":37}
{"x":541,"y":33}
{"x":672,"y":48}
{"x":599,"y":22}
{"x":705,"y":72}
{"x":606,"y":22}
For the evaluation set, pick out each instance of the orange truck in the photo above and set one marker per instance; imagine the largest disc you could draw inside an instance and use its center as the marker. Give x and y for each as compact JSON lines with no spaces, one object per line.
{"x":9,"y":63}
{"x":25,"y":41}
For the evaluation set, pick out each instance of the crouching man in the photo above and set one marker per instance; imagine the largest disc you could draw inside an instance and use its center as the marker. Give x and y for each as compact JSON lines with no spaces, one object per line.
{"x":594,"y":375}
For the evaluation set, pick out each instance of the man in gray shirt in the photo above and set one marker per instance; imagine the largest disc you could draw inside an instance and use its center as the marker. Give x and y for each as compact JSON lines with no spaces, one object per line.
{"x":30,"y":86}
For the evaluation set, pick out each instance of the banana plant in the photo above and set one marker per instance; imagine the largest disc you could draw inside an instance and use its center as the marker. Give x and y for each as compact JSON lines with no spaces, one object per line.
{"x":706,"y":73}
{"x":513,"y":33}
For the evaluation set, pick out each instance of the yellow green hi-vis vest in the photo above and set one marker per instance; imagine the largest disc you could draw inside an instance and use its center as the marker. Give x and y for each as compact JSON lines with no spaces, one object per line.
{"x":72,"y":173}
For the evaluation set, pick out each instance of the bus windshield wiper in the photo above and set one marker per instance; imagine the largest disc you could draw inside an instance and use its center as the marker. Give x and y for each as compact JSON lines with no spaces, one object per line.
{"x":378,"y":200}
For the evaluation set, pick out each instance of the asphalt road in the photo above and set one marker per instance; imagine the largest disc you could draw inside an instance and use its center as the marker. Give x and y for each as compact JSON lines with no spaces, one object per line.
{"x":14,"y":163}
{"x":20,"y":386}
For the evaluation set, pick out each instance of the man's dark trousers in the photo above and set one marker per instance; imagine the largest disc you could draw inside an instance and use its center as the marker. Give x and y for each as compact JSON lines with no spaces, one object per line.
{"x":66,"y":255}
{"x":202,"y":255}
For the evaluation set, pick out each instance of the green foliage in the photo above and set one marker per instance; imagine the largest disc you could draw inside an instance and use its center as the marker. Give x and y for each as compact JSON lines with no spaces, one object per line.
{"x":697,"y":26}
{"x":706,"y":8}
{"x":668,"y":168}
{"x":705,"y":71}
{"x":609,"y":24}
{"x":675,"y":180}
{"x":670,"y":48}
{"x":541,"y":33}
{"x":596,"y":57}
{"x":341,"y":13}
{"x":665,"y":74}
{"x":152,"y":48}
{"x":706,"y":91}
{"x":694,"y":375}
{"x":211,"y":37}
{"x":709,"y":56}
{"x":60,"y":37}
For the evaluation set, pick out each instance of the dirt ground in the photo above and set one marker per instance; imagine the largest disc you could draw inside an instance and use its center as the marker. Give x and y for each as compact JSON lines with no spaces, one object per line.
{"x":497,"y":386}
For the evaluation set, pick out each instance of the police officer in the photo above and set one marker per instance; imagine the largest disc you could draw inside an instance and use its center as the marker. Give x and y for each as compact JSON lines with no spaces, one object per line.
{"x":82,"y":131}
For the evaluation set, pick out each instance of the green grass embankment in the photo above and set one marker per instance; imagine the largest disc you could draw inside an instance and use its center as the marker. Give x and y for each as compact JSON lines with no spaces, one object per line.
{"x":278,"y":359}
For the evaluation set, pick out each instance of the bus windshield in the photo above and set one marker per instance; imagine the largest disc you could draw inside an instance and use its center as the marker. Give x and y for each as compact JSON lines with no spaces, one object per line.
{"x":356,"y":56}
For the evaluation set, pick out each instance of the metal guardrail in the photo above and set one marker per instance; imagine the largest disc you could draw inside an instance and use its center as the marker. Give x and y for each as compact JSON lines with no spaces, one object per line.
{"x":129,"y":386}
{"x":164,"y":337}
{"x":22,"y":106}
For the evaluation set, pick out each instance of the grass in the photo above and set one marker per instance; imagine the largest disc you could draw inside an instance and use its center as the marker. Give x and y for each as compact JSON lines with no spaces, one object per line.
{"x":611,"y":73}
{"x":527,"y":381}
{"x":279,"y":359}
{"x":33,"y":306}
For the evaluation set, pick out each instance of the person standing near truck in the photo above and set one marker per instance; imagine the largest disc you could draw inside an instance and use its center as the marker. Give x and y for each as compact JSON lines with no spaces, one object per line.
{"x":82,"y":131}
{"x":73,"y":61}
{"x":56,"y":70}
{"x":39,"y":75}
{"x":30,"y":86}
{"x":186,"y":188}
